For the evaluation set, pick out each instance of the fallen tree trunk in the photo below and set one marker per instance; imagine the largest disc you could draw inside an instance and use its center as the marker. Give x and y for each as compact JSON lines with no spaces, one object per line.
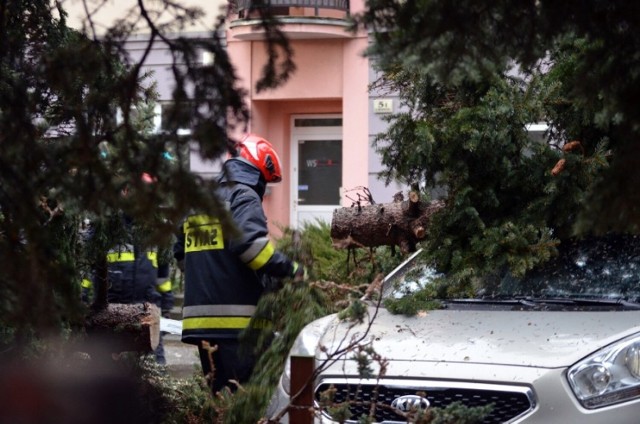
{"x":400,"y":223}
{"x":125,"y":327}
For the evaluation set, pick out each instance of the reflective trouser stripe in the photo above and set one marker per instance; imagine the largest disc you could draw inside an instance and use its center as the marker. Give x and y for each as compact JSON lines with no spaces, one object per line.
{"x":86,"y":283}
{"x":215,"y":322}
{"x":164,"y":287}
{"x":121,"y":257}
{"x":258,"y":254}
{"x":197,"y":311}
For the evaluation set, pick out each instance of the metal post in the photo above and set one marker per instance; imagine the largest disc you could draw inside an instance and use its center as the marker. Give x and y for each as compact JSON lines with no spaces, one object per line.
{"x":302,"y":369}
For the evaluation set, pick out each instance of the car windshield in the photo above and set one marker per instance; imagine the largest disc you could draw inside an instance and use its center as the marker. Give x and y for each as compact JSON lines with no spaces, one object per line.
{"x":605,"y":268}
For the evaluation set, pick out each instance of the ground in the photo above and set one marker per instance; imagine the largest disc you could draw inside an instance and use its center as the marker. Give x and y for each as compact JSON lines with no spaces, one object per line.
{"x":182,"y":358}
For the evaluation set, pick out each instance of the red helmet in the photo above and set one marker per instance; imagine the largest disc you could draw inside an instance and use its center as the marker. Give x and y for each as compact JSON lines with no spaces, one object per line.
{"x":260,"y":152}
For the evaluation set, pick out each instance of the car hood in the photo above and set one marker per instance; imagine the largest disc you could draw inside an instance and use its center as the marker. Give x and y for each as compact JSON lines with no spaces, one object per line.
{"x":520,"y":338}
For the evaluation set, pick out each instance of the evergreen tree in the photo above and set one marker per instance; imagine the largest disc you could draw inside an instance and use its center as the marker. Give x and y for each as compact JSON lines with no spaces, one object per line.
{"x":471,"y":76}
{"x":65,"y":157}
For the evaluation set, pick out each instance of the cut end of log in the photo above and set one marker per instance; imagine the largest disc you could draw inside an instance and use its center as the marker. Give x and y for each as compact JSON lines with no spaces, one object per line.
{"x":126,"y":327}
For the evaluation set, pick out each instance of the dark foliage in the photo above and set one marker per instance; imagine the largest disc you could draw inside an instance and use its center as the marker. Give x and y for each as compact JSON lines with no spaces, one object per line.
{"x":471,"y":76}
{"x":66,"y":157}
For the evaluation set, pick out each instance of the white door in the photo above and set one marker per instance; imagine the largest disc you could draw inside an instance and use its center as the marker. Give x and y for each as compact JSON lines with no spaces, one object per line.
{"x":316,"y":167}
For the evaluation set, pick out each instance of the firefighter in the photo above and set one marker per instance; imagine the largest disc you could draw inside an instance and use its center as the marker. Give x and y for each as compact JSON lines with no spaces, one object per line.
{"x":224,"y":273}
{"x":136,"y":275}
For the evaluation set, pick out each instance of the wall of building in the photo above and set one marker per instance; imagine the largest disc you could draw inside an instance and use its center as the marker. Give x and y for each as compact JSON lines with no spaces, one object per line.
{"x":274,"y":118}
{"x":318,"y":75}
{"x":381,"y":105}
{"x":104,"y":14}
{"x":355,"y":118}
{"x":159,"y":61}
{"x":331,"y":77}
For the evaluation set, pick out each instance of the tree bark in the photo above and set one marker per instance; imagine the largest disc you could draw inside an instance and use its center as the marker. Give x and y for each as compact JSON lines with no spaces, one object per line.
{"x":125,"y":327}
{"x":400,"y":223}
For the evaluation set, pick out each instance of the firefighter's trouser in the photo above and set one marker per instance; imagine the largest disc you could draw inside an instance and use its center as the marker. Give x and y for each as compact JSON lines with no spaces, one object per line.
{"x":228,"y":361}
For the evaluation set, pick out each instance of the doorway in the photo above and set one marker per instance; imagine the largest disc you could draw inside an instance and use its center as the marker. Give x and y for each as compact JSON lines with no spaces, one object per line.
{"x":316,"y":167}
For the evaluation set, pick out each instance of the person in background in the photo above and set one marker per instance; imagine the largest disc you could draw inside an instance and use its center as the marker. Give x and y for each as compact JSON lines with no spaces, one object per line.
{"x":223,"y":273}
{"x":163,"y":293}
{"x":135,"y":275}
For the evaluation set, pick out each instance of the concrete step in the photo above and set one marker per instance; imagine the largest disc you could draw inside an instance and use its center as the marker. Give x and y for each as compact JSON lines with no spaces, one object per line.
{"x":183,"y":360}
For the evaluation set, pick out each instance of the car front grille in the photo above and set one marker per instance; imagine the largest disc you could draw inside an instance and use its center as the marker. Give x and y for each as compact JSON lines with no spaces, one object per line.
{"x":508,"y":402}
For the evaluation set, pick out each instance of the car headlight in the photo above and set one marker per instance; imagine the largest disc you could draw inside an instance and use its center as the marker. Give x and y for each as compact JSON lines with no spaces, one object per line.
{"x":305,"y":344}
{"x":611,"y":375}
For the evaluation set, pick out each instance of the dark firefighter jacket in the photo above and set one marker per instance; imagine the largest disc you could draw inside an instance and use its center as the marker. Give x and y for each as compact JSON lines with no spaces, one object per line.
{"x":223,"y":275}
{"x":136,"y":275}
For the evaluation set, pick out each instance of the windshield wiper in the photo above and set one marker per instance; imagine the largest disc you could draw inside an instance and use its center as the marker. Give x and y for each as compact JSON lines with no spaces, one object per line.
{"x":553,"y":302}
{"x":585,"y":301}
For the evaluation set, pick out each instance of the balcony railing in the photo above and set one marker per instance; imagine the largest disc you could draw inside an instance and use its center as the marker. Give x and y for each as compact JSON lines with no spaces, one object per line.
{"x":247,"y":8}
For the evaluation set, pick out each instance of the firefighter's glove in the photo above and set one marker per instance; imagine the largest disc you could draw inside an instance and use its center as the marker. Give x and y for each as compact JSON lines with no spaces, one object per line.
{"x":299,"y":273}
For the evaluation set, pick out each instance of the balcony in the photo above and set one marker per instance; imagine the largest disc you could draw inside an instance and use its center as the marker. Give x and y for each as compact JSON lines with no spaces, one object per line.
{"x":301,"y":19}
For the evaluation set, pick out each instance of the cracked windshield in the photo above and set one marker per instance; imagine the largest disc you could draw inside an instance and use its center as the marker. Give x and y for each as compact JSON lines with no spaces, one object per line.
{"x":590,"y":273}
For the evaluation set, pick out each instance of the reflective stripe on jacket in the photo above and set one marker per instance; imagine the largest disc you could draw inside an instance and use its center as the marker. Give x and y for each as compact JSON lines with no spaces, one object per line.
{"x":223,"y":274}
{"x":131,"y":276}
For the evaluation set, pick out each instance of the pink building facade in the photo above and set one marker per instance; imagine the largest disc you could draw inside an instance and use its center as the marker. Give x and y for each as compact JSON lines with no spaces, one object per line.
{"x":322,"y":120}
{"x":319,"y":119}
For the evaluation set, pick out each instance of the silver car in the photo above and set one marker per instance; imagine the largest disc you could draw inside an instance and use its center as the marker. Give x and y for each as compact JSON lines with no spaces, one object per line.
{"x":560,"y":346}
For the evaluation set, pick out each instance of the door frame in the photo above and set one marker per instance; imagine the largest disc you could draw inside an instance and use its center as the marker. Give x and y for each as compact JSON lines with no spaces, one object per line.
{"x":309,"y":134}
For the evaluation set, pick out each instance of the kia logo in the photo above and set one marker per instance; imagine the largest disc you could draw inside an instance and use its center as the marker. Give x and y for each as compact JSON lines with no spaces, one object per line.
{"x":410,"y":403}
